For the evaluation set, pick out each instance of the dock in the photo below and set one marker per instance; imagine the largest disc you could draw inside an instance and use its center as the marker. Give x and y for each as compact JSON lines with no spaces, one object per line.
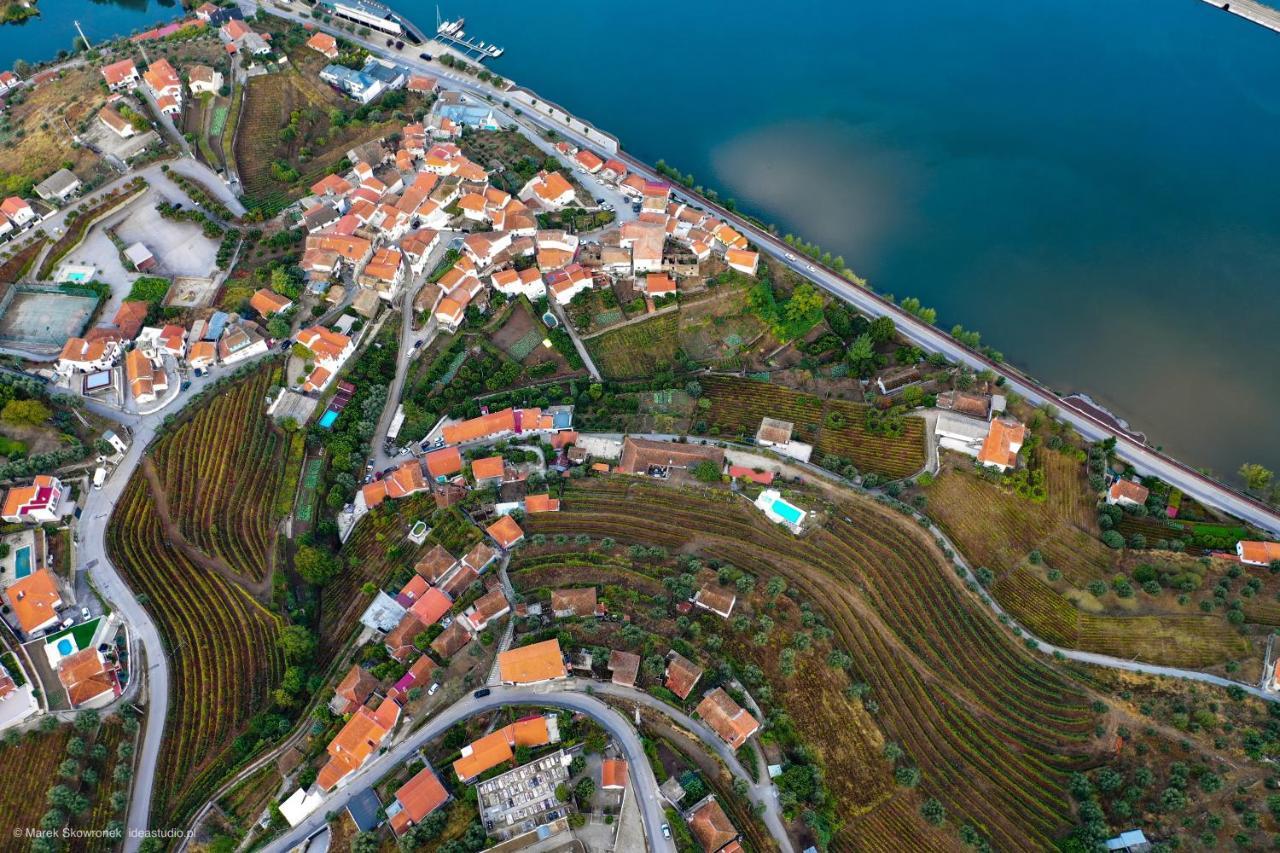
{"x":472,"y":49}
{"x":1258,"y":13}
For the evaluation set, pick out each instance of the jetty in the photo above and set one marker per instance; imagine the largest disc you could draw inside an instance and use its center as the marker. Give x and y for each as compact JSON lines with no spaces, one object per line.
{"x":451,"y":33}
{"x":1250,"y":10}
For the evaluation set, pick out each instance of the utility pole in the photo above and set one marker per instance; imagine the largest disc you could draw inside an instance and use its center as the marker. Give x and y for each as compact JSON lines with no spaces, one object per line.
{"x":83,"y":38}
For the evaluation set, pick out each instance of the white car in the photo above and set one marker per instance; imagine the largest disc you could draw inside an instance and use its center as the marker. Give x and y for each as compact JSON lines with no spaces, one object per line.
{"x":812,"y":268}
{"x":84,"y":614}
{"x":666,"y":831}
{"x":790,"y":256}
{"x":431,"y":691}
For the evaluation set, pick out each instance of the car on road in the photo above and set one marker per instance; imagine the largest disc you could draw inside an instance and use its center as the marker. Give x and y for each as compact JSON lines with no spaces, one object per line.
{"x":399,"y":45}
{"x":600,"y":181}
{"x":418,"y":343}
{"x":84,"y":614}
{"x":790,"y":256}
{"x":390,"y":42}
{"x":666,"y":831}
{"x":68,"y":622}
{"x":425,"y":56}
{"x":599,"y":201}
{"x":812,"y":268}
{"x":607,"y":206}
{"x":482,"y":692}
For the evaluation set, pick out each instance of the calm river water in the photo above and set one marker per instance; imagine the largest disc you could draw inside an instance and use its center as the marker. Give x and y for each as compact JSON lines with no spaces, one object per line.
{"x":1092,"y":185}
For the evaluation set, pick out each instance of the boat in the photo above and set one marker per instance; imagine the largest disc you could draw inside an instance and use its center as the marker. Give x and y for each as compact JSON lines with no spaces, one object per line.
{"x":494,"y":51}
{"x":449,"y":28}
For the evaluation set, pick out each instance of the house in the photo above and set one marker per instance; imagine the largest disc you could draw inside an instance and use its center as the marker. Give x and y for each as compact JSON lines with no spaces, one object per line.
{"x":500,"y":423}
{"x":541,"y":503}
{"x":422,"y":84}
{"x":658,"y":284}
{"x":267,"y":302}
{"x":774,"y":432}
{"x":762,"y":478}
{"x":718,"y":600}
{"x":202,"y":354}
{"x":59,"y":186}
{"x":165,"y":85}
{"x":564,"y":284}
{"x":109,"y":116}
{"x":1132,"y":841}
{"x":239,"y":37}
{"x":659,"y":458}
{"x":384,"y":272}
{"x":573,"y":602}
{"x":359,"y":739}
{"x":330,"y":348}
{"x":532,"y":664}
{"x":549,"y":189}
{"x":352,"y":83}
{"x":681,"y":675}
{"x":418,"y":676}
{"x":81,"y":356}
{"x":141,"y":258}
{"x":201,"y":79}
{"x":436,"y":564}
{"x":17,"y":210}
{"x":34,"y":600}
{"x":146,"y":379}
{"x":172,"y":340}
{"x":625,"y":666}
{"x":35,"y":503}
{"x":89,"y":680}
{"x":588,"y":161}
{"x":459,"y":579}
{"x":494,"y":749}
{"x":444,"y":463}
{"x":8,"y":82}
{"x":710,"y":826}
{"x":960,"y":433}
{"x":1251,"y":553}
{"x":416,"y":799}
{"x":240,"y":341}
{"x":646,"y":241}
{"x":527,"y":282}
{"x":613,"y":170}
{"x":727,"y":718}
{"x":613,"y":774}
{"x":399,"y":640}
{"x":431,"y":607}
{"x":479,"y":557}
{"x":1127,"y":493}
{"x":354,"y":690}
{"x":121,"y":75}
{"x":487,"y":471}
{"x":324,"y":44}
{"x":1000,"y":448}
{"x":492,"y":605}
{"x":505,"y":532}
{"x":452,"y":640}
{"x":742,"y":260}
{"x":485,"y":246}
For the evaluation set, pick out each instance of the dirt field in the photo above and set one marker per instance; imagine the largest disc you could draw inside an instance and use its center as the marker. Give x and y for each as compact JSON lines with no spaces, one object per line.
{"x":34,"y":133}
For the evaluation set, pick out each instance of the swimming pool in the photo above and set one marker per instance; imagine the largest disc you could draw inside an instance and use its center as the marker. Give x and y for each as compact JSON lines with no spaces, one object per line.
{"x":77,"y":277}
{"x":22,"y":562}
{"x":327,"y":419}
{"x":790,"y":514}
{"x":65,"y":646}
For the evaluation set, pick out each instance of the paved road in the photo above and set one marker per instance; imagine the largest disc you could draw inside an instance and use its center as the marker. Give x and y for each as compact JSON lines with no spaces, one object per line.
{"x":543,"y":696}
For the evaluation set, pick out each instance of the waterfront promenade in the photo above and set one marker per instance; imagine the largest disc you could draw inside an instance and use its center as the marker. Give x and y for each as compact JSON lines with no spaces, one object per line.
{"x":1258,"y":13}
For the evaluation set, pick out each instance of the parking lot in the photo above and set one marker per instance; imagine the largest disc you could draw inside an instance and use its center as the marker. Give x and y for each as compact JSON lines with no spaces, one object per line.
{"x":179,"y":247}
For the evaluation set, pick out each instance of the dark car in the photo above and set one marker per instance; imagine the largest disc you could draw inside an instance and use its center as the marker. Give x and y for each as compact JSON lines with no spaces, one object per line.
{"x":425,"y":56}
{"x":399,"y":45}
{"x":483,"y":692}
{"x":390,"y":42}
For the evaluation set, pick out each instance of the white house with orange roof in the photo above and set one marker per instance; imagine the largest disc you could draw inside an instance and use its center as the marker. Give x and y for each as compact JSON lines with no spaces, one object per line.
{"x":1000,"y":448}
{"x":1127,"y":493}
{"x":36,"y":503}
{"x":121,"y":75}
{"x":83,"y":356}
{"x":564,"y":284}
{"x":384,"y":272}
{"x":527,"y":282}
{"x":484,"y":247}
{"x":1257,"y":553}
{"x":549,"y":189}
{"x":331,"y":349}
{"x":324,"y":44}
{"x":17,"y":210}
{"x":165,"y":86}
{"x":201,"y":79}
{"x":450,"y":313}
{"x":742,"y":260}
{"x":588,"y":161}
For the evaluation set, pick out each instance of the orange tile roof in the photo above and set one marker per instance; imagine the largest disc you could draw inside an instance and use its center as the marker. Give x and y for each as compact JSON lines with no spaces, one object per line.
{"x":444,"y":462}
{"x":588,"y":160}
{"x":1129,"y":490}
{"x":711,"y":826}
{"x":415,"y":588}
{"x":505,"y":531}
{"x":323,"y":342}
{"x":487,"y":468}
{"x":480,"y":556}
{"x":119,"y":71}
{"x":357,"y":685}
{"x":453,"y":640}
{"x":1259,"y":552}
{"x":742,"y":258}
{"x":727,"y":718}
{"x":399,"y":641}
{"x":201,"y":352}
{"x":713,"y":597}
{"x":324,"y":43}
{"x":86,"y":676}
{"x":452,"y":310}
{"x":374,"y":493}
{"x":489,"y":606}
{"x":418,"y":797}
{"x":681,"y":675}
{"x":432,"y":607}
{"x":658,"y":284}
{"x":552,"y":186}
{"x":359,"y":738}
{"x":384,"y":265}
{"x":530,"y":664}
{"x":405,"y":480}
{"x":579,"y":602}
{"x":493,"y":423}
{"x":491,"y":750}
{"x":35,"y":600}
{"x":541,"y":503}
{"x":613,"y":773}
{"x":436,"y":564}
{"x":1002,"y":443}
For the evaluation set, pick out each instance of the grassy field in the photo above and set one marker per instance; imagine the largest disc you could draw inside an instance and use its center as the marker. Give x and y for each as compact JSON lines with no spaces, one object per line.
{"x":637,"y":350}
{"x":1068,"y":597}
{"x":832,"y":426}
{"x":995,"y":731}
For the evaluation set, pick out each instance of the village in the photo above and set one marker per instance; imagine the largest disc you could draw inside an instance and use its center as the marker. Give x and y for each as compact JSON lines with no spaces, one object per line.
{"x":475,"y":613}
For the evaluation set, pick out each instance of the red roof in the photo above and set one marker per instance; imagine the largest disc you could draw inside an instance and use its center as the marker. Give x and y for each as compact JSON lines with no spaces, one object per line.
{"x":418,"y":797}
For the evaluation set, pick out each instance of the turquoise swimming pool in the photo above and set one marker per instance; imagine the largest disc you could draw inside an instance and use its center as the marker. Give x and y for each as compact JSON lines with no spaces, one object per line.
{"x":22,"y":562}
{"x":78,"y":277}
{"x":65,"y":646}
{"x":788,"y":513}
{"x":327,"y":419}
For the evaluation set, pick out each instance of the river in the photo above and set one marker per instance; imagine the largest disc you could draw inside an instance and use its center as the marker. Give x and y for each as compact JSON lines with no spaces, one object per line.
{"x":1086,"y":183}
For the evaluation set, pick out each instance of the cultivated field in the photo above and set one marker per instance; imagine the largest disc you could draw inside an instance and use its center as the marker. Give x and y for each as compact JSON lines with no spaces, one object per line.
{"x":222,"y":648}
{"x":737,"y":405}
{"x":995,"y":730}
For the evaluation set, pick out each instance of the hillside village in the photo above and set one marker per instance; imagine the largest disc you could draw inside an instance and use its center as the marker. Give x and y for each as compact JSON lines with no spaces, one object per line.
{"x":404,"y":485}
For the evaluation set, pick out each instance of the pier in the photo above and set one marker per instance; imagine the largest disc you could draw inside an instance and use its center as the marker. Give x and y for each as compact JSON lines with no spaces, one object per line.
{"x":1258,"y":13}
{"x":450,"y":33}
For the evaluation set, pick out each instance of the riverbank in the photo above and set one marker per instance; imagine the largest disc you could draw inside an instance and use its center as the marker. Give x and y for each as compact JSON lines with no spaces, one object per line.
{"x":17,"y":12}
{"x":1258,"y":13}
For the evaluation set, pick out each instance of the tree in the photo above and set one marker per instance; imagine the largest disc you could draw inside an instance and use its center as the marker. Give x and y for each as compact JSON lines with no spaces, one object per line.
{"x":316,"y":566}
{"x":805,"y":301}
{"x":706,"y":471}
{"x":87,"y":721}
{"x":882,"y":330}
{"x":297,"y":642}
{"x":861,"y":355}
{"x":1256,"y":477}
{"x":907,"y":777}
{"x":933,"y":811}
{"x":25,"y":413}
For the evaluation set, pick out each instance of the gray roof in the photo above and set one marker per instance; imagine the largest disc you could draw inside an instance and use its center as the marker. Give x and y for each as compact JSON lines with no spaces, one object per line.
{"x":970,"y":429}
{"x":383,"y":613}
{"x":57,"y":184}
{"x":363,"y":808}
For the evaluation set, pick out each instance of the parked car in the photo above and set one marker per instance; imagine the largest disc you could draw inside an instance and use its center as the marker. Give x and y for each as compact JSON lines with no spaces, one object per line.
{"x":431,"y":691}
{"x":418,"y":343}
{"x":68,"y":622}
{"x":84,"y":614}
{"x":425,"y":56}
{"x":599,"y":201}
{"x":399,"y":45}
{"x":390,"y":42}
{"x":666,"y":831}
{"x":482,"y":692}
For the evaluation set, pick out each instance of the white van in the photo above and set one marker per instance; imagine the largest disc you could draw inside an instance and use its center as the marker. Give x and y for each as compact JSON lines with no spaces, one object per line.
{"x":99,"y":477}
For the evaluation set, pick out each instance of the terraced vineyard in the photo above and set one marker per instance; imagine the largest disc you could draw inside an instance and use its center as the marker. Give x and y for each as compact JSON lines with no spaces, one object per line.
{"x":737,"y":405}
{"x":1173,"y":640}
{"x":640,"y":349}
{"x":995,"y":730}
{"x":29,"y":769}
{"x":220,"y":493}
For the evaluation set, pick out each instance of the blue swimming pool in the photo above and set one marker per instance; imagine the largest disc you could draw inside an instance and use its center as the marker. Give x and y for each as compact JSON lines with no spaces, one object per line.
{"x":789,"y":513}
{"x":77,"y":277}
{"x":327,"y":419}
{"x":22,"y":562}
{"x":65,"y":646}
